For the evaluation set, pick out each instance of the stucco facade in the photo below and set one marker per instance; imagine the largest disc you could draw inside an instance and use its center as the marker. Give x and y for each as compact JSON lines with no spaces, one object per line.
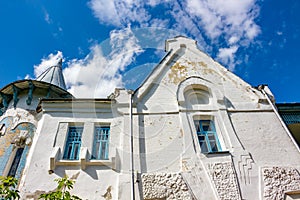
{"x":192,"y":130}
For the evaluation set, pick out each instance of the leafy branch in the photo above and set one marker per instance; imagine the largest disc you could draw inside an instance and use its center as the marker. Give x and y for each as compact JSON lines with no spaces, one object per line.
{"x":62,"y":191}
{"x":8,"y":189}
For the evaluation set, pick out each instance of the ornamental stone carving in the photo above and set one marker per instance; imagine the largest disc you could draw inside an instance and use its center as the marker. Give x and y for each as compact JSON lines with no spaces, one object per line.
{"x":19,"y":116}
{"x":225,"y":181}
{"x":165,"y":186}
{"x":22,"y":139}
{"x":278,"y":180}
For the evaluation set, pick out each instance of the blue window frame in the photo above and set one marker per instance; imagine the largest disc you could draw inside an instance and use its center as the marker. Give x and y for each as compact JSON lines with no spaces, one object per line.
{"x":207,"y":136}
{"x":101,"y":143}
{"x":73,"y":143}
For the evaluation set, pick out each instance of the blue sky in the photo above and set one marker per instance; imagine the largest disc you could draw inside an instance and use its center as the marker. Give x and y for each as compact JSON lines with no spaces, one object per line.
{"x":107,"y":44}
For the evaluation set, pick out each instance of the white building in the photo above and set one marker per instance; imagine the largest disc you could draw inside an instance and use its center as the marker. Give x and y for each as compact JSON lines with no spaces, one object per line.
{"x":192,"y":130}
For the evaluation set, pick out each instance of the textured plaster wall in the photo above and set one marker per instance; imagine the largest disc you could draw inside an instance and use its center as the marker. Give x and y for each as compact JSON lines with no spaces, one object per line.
{"x":264,"y":137}
{"x":160,"y":134}
{"x":224,"y":178}
{"x":265,"y":144}
{"x":164,"y":186}
{"x":102,"y":180}
{"x":279,"y":180}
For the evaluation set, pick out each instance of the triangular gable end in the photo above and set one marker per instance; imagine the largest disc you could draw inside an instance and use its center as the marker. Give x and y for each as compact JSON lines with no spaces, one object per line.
{"x":184,"y":60}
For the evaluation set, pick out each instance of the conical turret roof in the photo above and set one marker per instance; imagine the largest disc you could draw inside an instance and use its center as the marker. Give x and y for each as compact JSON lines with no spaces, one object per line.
{"x":54,"y":76}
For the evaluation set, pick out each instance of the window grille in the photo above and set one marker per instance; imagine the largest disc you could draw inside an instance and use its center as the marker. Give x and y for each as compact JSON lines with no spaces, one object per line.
{"x":73,"y":143}
{"x":101,"y":143}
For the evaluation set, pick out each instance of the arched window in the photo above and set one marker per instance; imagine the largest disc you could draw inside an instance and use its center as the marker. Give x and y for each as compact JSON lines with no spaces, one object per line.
{"x":197,"y":95}
{"x":199,"y":103}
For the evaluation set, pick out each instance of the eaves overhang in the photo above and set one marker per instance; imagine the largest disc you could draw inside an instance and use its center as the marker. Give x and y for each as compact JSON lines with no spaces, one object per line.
{"x":11,"y":91}
{"x":25,"y":84}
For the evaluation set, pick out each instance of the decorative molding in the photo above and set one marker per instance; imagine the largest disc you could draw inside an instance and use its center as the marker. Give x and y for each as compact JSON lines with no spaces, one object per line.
{"x":30,"y":92}
{"x":224,"y":179}
{"x":83,"y":162}
{"x":20,"y":116}
{"x":245,"y":167}
{"x":22,"y":139}
{"x":16,"y":91}
{"x":165,"y":186}
{"x":279,"y":180}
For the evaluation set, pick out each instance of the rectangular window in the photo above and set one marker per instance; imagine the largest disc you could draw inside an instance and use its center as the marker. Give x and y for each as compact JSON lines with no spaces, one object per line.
{"x":207,"y":136}
{"x":101,"y":142}
{"x":73,"y":143}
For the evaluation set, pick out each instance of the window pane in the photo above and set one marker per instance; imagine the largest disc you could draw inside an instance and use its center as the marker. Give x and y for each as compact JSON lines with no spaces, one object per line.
{"x":212,"y":142}
{"x":207,"y":136}
{"x":207,"y":125}
{"x":211,"y":137}
{"x":76,"y":151}
{"x":69,"y":151}
{"x":15,"y":163}
{"x":213,"y":146}
{"x":100,"y":148}
{"x":73,"y":143}
{"x":203,"y":146}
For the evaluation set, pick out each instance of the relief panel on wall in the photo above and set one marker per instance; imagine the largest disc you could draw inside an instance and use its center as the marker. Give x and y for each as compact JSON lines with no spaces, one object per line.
{"x":279,"y":180}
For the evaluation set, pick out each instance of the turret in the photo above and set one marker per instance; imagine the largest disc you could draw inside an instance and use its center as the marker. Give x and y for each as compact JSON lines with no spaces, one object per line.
{"x":54,"y":76}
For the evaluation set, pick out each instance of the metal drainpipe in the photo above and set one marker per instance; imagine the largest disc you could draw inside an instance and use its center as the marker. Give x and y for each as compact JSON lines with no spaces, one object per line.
{"x":261,"y":88}
{"x":131,"y":146}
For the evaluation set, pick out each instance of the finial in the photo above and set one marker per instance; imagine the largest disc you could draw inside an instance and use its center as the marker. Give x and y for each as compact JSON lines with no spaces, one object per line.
{"x":59,"y":62}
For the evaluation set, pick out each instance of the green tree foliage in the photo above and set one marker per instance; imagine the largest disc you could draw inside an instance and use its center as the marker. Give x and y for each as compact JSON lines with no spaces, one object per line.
{"x":62,"y":191}
{"x":8,"y":189}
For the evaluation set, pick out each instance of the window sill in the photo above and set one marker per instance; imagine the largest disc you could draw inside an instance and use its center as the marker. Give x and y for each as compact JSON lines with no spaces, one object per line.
{"x":218,"y":152}
{"x":83,"y":161}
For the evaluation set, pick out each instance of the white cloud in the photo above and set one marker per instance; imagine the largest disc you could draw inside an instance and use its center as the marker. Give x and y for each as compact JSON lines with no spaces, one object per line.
{"x":227,"y":55}
{"x":228,"y":18}
{"x":49,"y":61}
{"x":99,"y":74}
{"x":47,"y":17}
{"x":105,"y":11}
{"x":226,"y":25}
{"x":233,"y":40}
{"x":119,"y":13}
{"x":279,"y":32}
{"x":222,"y":23}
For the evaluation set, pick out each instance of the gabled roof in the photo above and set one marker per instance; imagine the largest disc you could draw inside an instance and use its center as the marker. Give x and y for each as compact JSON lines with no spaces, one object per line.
{"x":54,"y":76}
{"x":175,"y":48}
{"x":172,"y":47}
